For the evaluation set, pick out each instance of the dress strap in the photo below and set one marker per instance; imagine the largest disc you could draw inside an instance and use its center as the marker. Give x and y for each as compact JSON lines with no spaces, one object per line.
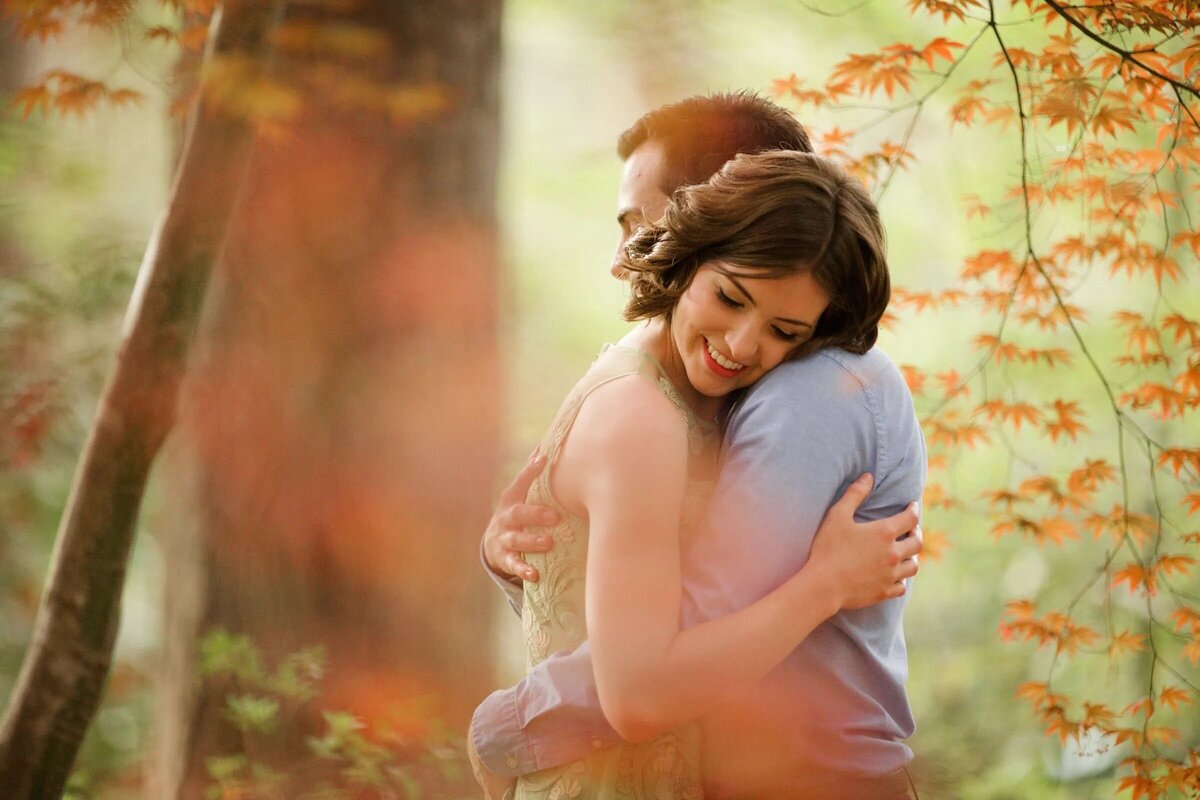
{"x":612,"y":363}
{"x":619,"y":361}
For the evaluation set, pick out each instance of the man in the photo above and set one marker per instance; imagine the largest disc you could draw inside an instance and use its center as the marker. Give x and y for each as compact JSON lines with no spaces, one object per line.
{"x":830,"y":720}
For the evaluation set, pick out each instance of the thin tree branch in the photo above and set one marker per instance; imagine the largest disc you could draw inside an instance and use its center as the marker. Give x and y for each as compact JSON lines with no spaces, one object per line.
{"x":1126,"y":55}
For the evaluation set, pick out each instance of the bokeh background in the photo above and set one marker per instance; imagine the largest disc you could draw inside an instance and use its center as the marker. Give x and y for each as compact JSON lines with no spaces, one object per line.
{"x":79,"y":197}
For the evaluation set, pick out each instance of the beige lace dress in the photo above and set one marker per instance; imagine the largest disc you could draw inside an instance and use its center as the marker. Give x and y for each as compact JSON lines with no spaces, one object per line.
{"x":553,"y":613}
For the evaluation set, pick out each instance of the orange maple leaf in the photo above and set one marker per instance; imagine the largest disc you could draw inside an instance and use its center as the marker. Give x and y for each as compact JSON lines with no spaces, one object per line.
{"x":951,"y":383}
{"x":1186,"y":617}
{"x":1174,"y":564}
{"x":975,"y":206}
{"x":914,"y":377}
{"x":1170,"y":401}
{"x":1004,"y":497}
{"x":988,"y":261}
{"x":947,"y":9}
{"x":1055,"y":529}
{"x":786,"y":86}
{"x":1174,"y":697}
{"x":161,"y":33}
{"x":1138,"y":578}
{"x":1183,"y":328}
{"x":1118,"y":523}
{"x":1108,"y":119}
{"x":31,"y":98}
{"x":1066,"y":422}
{"x":1141,"y":786}
{"x":1191,"y":651}
{"x":940,"y":47}
{"x":1126,"y":641}
{"x":934,"y":544}
{"x":1044,"y":484}
{"x":1012,"y":413}
{"x":1189,"y":238}
{"x":1180,"y":457}
{"x":121,"y":97}
{"x":1091,"y":475}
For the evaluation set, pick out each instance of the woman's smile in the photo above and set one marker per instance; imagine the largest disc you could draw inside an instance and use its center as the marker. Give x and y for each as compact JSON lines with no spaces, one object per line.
{"x":725,"y":367}
{"x":730,"y":326}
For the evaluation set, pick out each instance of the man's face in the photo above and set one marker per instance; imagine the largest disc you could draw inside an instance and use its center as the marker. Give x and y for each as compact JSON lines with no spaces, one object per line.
{"x":640,"y":198}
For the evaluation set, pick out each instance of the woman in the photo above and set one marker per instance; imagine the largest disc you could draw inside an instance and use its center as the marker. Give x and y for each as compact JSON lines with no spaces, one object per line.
{"x":778,"y":254}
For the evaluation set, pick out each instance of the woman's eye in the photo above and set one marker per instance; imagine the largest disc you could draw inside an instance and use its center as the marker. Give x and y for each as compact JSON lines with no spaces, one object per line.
{"x":785,"y":335}
{"x":727,"y":300}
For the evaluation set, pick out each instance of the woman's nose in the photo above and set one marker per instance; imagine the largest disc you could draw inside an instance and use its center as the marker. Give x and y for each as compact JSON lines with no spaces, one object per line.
{"x":743,"y":344}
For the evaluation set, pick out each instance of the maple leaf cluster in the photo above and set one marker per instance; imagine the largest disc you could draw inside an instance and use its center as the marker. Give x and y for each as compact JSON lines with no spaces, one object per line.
{"x":1100,"y":101}
{"x":317,"y":60}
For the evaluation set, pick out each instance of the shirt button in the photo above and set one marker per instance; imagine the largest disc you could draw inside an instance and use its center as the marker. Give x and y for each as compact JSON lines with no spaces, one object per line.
{"x":596,"y":743}
{"x":512,"y":762}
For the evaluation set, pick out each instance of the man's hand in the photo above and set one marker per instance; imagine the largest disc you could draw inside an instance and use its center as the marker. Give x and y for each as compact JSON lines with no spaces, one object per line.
{"x":495,"y":787}
{"x":505,"y":538}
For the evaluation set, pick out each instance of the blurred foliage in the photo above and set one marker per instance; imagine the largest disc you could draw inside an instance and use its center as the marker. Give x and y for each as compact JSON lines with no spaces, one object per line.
{"x":67,"y":263}
{"x":345,"y":760}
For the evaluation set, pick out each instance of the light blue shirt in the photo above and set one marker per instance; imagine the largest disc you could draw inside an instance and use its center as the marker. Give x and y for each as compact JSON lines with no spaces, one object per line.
{"x":793,"y":444}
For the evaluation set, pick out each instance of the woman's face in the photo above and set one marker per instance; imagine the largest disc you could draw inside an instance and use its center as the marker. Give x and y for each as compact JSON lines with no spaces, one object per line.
{"x":731,"y":329}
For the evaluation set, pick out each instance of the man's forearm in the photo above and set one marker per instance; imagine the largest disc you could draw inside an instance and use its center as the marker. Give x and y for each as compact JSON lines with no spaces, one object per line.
{"x":552,"y":717}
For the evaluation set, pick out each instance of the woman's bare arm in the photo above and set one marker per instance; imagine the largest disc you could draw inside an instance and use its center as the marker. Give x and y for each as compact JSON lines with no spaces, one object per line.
{"x":625,"y":465}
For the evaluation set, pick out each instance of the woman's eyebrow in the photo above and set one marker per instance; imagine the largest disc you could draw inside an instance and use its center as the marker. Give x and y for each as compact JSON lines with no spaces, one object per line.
{"x":750,"y":299}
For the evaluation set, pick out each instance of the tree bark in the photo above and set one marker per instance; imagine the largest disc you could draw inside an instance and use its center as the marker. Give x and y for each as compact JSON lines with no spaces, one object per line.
{"x":339,"y":433}
{"x":66,"y":666}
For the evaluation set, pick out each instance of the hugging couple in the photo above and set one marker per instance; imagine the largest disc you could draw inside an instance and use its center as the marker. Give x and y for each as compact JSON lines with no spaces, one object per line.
{"x":710,"y":550}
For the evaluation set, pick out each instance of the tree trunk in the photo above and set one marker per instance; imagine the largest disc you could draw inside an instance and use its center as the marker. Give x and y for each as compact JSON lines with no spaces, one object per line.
{"x":65,"y":668}
{"x":340,"y":429}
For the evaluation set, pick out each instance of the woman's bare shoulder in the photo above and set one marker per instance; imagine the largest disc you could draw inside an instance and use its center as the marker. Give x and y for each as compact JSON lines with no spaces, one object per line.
{"x":631,"y":409}
{"x":627,"y":431}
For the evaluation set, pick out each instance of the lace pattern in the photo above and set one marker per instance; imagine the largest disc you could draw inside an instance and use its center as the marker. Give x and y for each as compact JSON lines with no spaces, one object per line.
{"x":553,"y":615}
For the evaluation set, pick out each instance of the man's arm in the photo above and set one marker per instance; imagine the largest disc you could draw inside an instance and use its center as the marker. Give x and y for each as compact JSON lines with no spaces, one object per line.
{"x":550,"y":718}
{"x":553,"y":716}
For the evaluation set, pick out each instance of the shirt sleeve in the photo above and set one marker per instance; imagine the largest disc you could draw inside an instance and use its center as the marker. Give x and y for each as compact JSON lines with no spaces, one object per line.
{"x":513,"y":588}
{"x":550,"y":718}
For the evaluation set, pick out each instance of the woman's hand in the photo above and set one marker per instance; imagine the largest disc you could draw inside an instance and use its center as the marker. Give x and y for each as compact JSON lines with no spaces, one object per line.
{"x":865,"y":563}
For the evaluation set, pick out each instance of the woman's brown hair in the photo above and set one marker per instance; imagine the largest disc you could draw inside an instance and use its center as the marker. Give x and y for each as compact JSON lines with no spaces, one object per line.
{"x":778,"y":212}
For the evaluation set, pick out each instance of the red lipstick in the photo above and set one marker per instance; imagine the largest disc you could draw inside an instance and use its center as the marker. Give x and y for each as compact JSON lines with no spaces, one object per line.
{"x":714,"y":366}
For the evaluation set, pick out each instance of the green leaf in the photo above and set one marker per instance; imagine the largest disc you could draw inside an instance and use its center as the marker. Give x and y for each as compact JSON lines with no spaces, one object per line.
{"x":222,"y":653}
{"x":299,"y":674}
{"x":267,"y":778}
{"x":252,"y":712}
{"x":411,"y":788}
{"x":325,"y":746}
{"x":223,"y":768}
{"x":342,"y":723}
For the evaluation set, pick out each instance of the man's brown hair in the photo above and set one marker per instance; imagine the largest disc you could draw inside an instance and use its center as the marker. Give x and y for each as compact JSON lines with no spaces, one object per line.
{"x":701,"y":133}
{"x":778,"y":213}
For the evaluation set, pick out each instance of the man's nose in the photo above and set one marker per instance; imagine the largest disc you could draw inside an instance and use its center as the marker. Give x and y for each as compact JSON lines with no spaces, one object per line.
{"x":615,"y":268}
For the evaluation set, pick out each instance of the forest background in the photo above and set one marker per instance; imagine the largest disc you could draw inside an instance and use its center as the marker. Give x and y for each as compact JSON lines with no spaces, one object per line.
{"x":80,"y":194}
